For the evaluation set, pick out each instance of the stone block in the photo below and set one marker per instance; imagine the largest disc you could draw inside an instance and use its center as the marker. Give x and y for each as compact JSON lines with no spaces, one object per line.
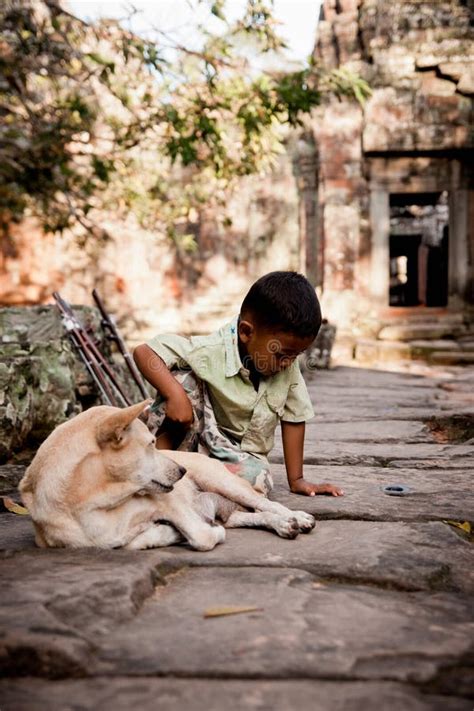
{"x":43,"y":380}
{"x":454,"y":70}
{"x":439,"y":491}
{"x":361,"y":552}
{"x":373,"y":351}
{"x":327,"y":630}
{"x":461,"y":357}
{"x":433,"y":85}
{"x":125,"y":693}
{"x":424,"y":349}
{"x":452,"y":110}
{"x":349,"y":6}
{"x":346,"y":33}
{"x":466,"y":83}
{"x":421,"y":331}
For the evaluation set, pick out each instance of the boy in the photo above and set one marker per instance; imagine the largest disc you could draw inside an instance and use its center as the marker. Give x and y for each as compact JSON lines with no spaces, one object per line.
{"x":228,"y":390}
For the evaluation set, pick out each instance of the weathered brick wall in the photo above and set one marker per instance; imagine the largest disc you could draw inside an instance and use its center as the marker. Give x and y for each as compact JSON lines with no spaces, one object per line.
{"x":150,"y":285}
{"x":414,"y":133}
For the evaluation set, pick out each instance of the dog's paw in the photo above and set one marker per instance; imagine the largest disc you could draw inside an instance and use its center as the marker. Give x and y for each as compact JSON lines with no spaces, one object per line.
{"x":286,"y":527}
{"x":207,"y":538}
{"x":220,"y":534}
{"x":306,"y":522}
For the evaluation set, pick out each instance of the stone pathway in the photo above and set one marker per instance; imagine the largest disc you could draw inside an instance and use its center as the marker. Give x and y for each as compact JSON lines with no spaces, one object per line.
{"x":371,"y":611}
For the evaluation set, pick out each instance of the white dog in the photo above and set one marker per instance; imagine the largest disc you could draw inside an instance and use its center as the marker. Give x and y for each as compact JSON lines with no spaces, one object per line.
{"x":98,"y":480}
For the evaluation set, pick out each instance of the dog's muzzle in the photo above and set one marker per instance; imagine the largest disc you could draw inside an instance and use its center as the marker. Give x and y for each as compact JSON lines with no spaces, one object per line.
{"x":163,"y":488}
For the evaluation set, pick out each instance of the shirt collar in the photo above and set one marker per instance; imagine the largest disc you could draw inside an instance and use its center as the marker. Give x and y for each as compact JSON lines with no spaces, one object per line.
{"x":233,"y":364}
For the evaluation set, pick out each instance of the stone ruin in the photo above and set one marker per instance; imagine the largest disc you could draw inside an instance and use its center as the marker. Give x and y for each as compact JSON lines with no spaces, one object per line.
{"x":43,"y":381}
{"x":382,"y":195}
{"x":372,"y":203}
{"x":389,"y":229}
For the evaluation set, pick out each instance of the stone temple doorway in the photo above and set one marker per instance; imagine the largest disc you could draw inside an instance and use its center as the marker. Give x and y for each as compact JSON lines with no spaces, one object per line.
{"x":418,"y":249}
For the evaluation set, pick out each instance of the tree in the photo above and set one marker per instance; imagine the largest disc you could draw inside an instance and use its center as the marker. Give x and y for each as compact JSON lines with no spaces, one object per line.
{"x":93,"y":115}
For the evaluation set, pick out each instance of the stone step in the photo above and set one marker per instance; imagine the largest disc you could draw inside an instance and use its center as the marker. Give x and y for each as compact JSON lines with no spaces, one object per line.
{"x":460,"y":357}
{"x":439,"y":352}
{"x":422,"y":331}
{"x":373,"y":351}
{"x":408,"y":315}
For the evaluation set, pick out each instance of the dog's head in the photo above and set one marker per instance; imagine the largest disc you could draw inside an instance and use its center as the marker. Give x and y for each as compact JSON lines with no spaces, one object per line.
{"x":128,"y":451}
{"x":100,"y":446}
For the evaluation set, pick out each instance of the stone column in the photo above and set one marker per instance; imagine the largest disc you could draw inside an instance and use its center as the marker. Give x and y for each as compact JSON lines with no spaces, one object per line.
{"x":379,"y":253}
{"x":306,"y":169}
{"x":459,"y":277}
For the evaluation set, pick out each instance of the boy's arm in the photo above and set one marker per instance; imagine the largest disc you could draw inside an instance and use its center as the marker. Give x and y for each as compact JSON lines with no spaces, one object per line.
{"x":293,"y":448}
{"x":154,"y":369}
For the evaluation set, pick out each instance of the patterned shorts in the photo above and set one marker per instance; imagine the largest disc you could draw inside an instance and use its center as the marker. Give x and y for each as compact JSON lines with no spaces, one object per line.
{"x":204,"y":435}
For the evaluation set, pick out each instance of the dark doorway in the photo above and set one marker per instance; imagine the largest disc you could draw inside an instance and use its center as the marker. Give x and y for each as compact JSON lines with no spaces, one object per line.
{"x":419,"y":249}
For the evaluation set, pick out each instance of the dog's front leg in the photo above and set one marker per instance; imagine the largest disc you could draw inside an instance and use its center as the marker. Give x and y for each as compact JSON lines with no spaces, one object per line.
{"x":217,"y":479}
{"x":156,"y":536}
{"x":284,"y":526}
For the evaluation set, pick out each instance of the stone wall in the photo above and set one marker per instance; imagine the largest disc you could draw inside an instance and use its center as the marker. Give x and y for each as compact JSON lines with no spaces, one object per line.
{"x":43,"y":381}
{"x":151,"y":285}
{"x":413,"y":135}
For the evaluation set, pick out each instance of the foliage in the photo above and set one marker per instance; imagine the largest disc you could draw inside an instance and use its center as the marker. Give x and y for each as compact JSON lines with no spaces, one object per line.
{"x":93,"y":115}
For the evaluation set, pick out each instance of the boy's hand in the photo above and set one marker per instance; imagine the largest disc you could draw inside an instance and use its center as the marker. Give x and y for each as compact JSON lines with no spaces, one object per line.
{"x":179,"y":409}
{"x":301,"y":486}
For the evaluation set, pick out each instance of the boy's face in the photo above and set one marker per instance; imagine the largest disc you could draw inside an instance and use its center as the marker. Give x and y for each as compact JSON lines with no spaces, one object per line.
{"x":270,"y":351}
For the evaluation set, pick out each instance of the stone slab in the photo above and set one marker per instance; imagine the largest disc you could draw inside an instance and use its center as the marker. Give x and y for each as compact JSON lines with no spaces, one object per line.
{"x":420,"y":331}
{"x":304,"y":629}
{"x":150,"y":694}
{"x":464,"y":357}
{"x":374,"y":454}
{"x":416,"y":396}
{"x":16,"y":532}
{"x":382,"y":430}
{"x":10,"y":475}
{"x":111,"y":622}
{"x":444,"y":344}
{"x":50,"y":596}
{"x":370,"y":610}
{"x":344,"y":376}
{"x":405,"y":556}
{"x":334,"y":413}
{"x":435,"y":495}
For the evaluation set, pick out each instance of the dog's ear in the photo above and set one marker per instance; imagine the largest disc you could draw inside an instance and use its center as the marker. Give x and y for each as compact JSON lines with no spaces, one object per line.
{"x":113,"y":429}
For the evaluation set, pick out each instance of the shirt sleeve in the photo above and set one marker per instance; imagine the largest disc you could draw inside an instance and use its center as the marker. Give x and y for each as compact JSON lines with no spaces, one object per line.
{"x":173,"y":349}
{"x":298,"y":406}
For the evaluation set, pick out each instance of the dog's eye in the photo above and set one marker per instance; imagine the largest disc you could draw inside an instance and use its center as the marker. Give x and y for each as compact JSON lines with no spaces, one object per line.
{"x":152,"y":443}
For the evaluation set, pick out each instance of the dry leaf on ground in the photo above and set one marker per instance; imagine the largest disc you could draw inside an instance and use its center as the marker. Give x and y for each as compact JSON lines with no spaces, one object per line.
{"x":15,"y":508}
{"x":229,"y":610}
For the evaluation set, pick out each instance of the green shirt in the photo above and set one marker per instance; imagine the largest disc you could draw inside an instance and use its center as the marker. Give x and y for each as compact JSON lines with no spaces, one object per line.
{"x":247,"y":415}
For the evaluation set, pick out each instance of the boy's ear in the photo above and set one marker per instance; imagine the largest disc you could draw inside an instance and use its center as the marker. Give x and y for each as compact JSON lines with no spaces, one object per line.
{"x":246,"y":329}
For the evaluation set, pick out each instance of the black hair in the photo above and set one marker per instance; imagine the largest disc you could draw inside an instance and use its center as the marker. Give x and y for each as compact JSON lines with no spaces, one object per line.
{"x":284,"y":301}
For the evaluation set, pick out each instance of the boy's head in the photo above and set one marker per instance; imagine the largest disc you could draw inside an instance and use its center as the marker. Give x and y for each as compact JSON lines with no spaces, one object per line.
{"x":279,"y":318}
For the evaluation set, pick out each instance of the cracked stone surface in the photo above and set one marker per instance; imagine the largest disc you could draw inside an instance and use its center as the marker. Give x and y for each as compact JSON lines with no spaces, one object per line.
{"x":373,"y":610}
{"x":125,"y":693}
